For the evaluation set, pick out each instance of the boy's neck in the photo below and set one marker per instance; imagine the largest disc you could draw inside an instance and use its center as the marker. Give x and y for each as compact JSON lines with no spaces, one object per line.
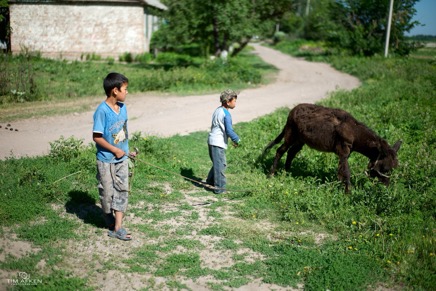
{"x":111,"y":100}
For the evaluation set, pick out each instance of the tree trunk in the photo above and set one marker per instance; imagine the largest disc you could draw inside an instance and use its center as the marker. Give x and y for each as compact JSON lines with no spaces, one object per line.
{"x":242,"y":45}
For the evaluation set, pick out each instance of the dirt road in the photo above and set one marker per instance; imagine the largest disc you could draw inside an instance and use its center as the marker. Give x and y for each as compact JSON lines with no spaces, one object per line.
{"x":298,"y":81}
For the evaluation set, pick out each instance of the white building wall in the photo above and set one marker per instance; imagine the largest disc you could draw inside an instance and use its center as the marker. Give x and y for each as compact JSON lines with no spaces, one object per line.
{"x":72,"y":31}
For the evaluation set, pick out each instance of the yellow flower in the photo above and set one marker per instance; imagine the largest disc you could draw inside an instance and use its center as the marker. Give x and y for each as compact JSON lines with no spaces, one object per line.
{"x":354,"y":222}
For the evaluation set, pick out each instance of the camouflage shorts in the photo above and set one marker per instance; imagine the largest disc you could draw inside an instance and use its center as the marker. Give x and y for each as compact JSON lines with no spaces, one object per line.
{"x":113,"y":185}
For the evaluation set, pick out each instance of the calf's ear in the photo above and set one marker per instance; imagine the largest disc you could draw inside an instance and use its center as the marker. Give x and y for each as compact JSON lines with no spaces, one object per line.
{"x":397,"y":145}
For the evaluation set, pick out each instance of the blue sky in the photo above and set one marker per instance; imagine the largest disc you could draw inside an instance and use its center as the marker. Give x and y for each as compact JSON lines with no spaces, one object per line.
{"x":426,"y":14}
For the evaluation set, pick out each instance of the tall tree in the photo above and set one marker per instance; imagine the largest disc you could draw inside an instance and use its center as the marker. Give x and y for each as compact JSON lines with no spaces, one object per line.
{"x":218,"y":24}
{"x":362,"y":25}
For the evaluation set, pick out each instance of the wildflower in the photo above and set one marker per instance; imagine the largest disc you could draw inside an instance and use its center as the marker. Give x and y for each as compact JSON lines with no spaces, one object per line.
{"x":353,"y":222}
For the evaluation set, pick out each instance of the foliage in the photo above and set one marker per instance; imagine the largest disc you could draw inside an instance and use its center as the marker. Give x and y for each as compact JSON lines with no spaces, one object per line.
{"x":29,"y":77}
{"x":17,"y":76}
{"x":65,"y":149}
{"x":357,"y":26}
{"x":126,"y":57}
{"x":218,"y":25}
{"x":318,"y":21}
{"x":362,"y":26}
{"x":304,"y":48}
{"x":393,"y":224}
{"x":422,"y":38}
{"x":4,"y":23}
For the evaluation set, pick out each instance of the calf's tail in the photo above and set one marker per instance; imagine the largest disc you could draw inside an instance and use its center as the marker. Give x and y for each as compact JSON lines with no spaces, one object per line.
{"x":273,"y":143}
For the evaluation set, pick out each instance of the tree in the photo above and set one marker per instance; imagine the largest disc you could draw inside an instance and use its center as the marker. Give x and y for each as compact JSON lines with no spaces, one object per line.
{"x":4,"y":24}
{"x":218,"y":24}
{"x":362,"y":25}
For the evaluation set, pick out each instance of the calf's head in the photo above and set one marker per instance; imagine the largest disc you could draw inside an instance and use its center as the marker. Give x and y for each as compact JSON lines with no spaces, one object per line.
{"x":385,"y":162}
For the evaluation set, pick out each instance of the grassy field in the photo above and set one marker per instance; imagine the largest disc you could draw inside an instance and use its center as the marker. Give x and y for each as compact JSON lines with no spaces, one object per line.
{"x":34,"y":86}
{"x":297,"y":229}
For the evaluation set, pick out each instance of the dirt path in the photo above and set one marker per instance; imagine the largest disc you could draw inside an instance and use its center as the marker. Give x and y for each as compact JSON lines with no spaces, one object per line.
{"x":298,"y":81}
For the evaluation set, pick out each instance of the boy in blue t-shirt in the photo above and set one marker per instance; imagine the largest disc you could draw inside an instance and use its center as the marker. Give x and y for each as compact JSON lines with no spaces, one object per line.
{"x":220,"y":130}
{"x":111,"y":138}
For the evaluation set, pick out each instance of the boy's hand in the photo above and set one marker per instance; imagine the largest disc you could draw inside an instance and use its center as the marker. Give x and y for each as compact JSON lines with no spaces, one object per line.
{"x":134,"y":154}
{"x":236,"y":144}
{"x":119,"y":153}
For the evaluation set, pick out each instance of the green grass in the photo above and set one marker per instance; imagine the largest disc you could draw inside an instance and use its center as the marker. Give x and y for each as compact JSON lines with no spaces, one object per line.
{"x":300,"y":226}
{"x":32,"y":78}
{"x":428,"y":51}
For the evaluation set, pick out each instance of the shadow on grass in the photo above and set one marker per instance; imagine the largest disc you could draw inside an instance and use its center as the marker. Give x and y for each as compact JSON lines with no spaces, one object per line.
{"x":300,"y":168}
{"x":84,"y":207}
{"x":189,"y":176}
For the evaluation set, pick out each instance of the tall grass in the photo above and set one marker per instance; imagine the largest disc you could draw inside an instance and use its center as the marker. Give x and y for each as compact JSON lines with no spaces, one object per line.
{"x":29,"y":77}
{"x":376,"y":237}
{"x":395,"y":225}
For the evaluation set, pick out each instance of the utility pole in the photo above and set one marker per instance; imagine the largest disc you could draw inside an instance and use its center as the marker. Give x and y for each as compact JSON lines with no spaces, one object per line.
{"x":388,"y":32}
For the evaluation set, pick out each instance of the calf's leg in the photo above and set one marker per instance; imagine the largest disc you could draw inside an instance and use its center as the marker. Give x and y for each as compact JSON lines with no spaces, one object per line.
{"x":343,"y":151}
{"x":279,"y":153}
{"x":292,"y":152}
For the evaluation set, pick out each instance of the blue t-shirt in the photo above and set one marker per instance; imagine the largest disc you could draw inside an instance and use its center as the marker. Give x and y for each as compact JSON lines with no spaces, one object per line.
{"x":113,"y":127}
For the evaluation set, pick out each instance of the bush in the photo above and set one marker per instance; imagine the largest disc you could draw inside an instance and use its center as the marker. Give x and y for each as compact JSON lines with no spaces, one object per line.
{"x":65,"y":149}
{"x":126,"y":57}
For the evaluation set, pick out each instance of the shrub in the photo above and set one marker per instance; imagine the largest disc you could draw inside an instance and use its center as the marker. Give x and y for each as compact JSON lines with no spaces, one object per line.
{"x":65,"y":149}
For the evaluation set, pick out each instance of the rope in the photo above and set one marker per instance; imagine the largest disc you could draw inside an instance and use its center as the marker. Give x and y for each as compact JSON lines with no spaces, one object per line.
{"x":174,"y":173}
{"x":135,"y":158}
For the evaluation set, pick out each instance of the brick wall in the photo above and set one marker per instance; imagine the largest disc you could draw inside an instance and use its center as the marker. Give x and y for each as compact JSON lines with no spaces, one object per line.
{"x":72,"y":31}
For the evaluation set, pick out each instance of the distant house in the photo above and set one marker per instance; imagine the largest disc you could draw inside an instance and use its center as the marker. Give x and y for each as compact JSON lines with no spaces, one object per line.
{"x":71,"y":29}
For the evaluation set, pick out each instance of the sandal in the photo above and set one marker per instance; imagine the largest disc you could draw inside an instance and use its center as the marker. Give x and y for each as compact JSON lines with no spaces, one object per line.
{"x":119,"y":234}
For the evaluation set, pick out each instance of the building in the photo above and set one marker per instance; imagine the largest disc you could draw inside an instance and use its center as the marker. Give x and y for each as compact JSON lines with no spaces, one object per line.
{"x":72,"y":29}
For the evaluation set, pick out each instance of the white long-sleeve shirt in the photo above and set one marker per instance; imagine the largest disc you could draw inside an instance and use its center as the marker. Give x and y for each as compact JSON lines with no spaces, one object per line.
{"x":222,"y":128}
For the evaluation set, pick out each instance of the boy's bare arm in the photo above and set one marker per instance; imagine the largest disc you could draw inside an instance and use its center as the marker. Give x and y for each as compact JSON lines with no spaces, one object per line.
{"x":98,"y":138}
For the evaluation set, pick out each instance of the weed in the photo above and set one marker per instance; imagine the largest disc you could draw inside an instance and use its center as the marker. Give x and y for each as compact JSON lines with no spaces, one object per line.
{"x":65,"y":149}
{"x":32,"y":78}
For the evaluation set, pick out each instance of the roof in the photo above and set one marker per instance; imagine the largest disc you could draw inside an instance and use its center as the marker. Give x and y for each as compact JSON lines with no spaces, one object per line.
{"x":154,"y":3}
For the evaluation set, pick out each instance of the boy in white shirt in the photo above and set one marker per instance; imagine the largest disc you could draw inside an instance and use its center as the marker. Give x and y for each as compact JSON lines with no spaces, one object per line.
{"x":221,"y":129}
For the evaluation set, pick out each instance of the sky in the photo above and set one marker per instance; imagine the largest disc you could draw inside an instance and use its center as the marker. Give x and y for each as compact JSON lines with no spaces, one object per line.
{"x":426,"y":14}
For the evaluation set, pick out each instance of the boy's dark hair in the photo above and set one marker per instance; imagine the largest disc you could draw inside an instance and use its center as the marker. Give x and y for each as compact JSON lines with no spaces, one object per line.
{"x":113,"y":80}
